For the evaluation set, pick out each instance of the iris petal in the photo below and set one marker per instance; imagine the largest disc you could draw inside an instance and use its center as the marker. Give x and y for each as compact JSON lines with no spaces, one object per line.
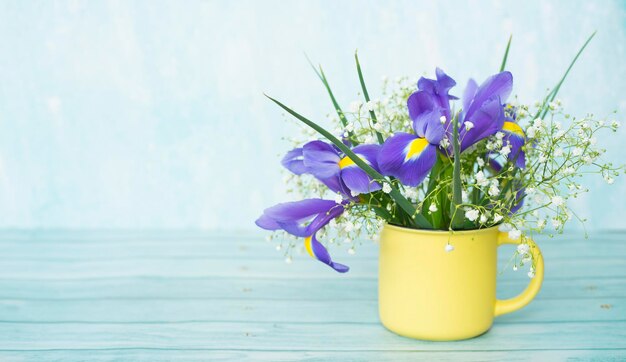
{"x":320,"y":159}
{"x":497,"y":86}
{"x":319,"y":252}
{"x":293,"y":161}
{"x":487,"y":120}
{"x":515,"y":136}
{"x":411,"y":171}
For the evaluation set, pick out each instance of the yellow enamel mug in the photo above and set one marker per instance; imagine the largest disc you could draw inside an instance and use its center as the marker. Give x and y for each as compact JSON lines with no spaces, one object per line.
{"x":426,"y":292}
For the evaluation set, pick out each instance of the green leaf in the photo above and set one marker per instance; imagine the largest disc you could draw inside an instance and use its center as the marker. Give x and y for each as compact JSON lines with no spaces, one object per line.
{"x":433,"y":180}
{"x":381,"y":140}
{"x":506,"y":53}
{"x":550,"y":97}
{"x":340,"y":114}
{"x":417,"y":219}
{"x":457,"y":199}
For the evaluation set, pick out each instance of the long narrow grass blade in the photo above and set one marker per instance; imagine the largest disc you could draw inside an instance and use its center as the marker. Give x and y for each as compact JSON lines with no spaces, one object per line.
{"x":552,"y":95}
{"x":342,"y":117}
{"x":418,"y":219}
{"x":506,"y":53}
{"x":380,"y":138}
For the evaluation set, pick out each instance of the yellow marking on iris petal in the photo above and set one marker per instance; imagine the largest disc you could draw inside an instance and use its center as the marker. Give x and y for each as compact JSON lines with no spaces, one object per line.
{"x":345,"y":162}
{"x":513,"y":128}
{"x":308,"y":245}
{"x":415,"y":148}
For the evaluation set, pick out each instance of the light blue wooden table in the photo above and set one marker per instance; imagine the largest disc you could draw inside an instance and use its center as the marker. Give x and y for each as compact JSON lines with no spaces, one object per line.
{"x":153,"y":296}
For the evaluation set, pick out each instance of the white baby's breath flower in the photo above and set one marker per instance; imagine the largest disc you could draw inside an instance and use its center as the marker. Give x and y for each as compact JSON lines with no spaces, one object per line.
{"x":505,"y":151}
{"x":499,"y":135}
{"x":442,"y":119}
{"x":557,"y":201}
{"x":483,"y":218}
{"x":609,"y":180}
{"x":531,"y":274}
{"x":556,"y":223}
{"x":497,"y":218}
{"x":444,"y":142}
{"x":468,"y":125}
{"x":480,"y":162}
{"x":472,"y":214}
{"x":577,"y":151}
{"x":433,"y":207}
{"x":449,"y":248}
{"x":568,"y":171}
{"x":338,"y":198}
{"x":558,"y":152}
{"x":538,"y":122}
{"x":542,"y":158}
{"x":515,"y":234}
{"x":531,"y":132}
{"x":350,"y":127}
{"x":523,"y":249}
{"x":481,"y":180}
{"x":386,"y":188}
{"x":371,"y":105}
{"x":351,"y":251}
{"x":494,"y":190}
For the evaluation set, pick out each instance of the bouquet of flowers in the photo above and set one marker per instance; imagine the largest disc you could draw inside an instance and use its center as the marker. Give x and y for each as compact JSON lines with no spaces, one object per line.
{"x":424,"y":158}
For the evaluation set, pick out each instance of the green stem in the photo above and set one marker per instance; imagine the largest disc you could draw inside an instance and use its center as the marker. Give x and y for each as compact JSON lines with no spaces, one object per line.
{"x":506,"y":53}
{"x":457,"y":199}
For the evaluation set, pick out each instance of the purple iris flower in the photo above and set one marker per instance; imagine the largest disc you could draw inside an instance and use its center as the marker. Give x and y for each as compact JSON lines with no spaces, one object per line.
{"x":410,"y":157}
{"x":337,"y":171}
{"x":303,"y":219}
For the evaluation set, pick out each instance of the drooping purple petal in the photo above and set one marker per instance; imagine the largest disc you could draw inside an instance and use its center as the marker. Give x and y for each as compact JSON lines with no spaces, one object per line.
{"x":293,"y":217}
{"x":319,"y":252}
{"x":409,"y":164}
{"x":299,"y":210}
{"x":293,"y":161}
{"x":358,"y":181}
{"x":369,"y":154}
{"x":321,"y":159}
{"x":497,"y":86}
{"x":267,"y":223}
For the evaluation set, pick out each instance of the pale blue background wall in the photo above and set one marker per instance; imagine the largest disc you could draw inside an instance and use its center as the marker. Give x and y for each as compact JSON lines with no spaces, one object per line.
{"x":150,"y":114}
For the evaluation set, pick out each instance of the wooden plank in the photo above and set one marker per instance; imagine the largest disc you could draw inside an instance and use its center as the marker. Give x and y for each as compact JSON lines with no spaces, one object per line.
{"x":247,"y":249}
{"x":270,"y":289}
{"x":157,"y":355}
{"x":305,"y":269}
{"x":237,"y":310}
{"x":303,"y":337}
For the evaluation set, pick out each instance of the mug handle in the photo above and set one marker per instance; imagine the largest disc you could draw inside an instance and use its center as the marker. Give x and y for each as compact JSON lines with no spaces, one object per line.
{"x":518,"y":302}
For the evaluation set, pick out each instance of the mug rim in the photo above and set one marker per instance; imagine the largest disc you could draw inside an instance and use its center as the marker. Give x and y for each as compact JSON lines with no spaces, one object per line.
{"x":440,"y":232}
